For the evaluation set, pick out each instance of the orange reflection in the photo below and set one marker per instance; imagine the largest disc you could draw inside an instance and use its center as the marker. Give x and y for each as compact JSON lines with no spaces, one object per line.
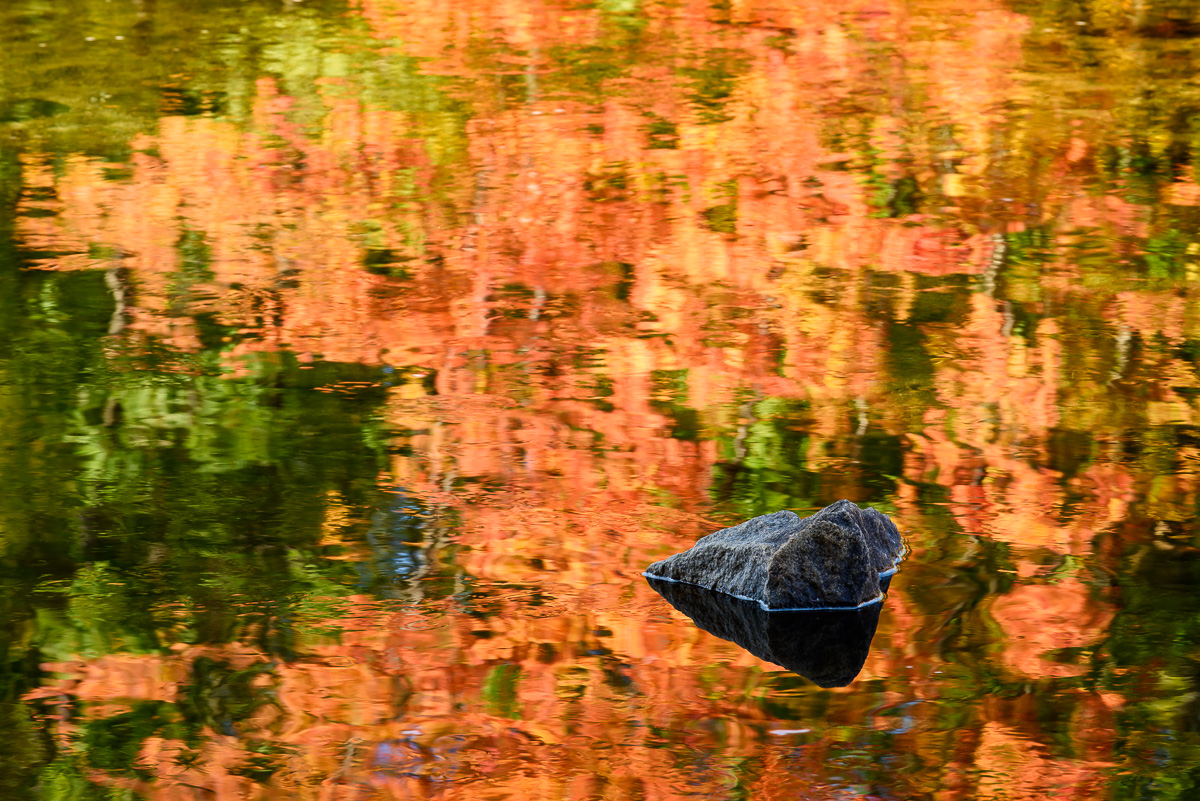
{"x":591,"y":298}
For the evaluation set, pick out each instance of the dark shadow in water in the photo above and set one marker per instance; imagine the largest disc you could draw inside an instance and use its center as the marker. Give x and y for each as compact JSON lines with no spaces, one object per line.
{"x":826,"y":647}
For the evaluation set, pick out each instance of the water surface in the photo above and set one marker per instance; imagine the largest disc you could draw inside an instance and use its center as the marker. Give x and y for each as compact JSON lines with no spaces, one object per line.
{"x":356,"y":358}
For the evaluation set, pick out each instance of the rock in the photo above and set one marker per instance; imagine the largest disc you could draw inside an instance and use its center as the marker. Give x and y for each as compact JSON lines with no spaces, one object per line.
{"x":825,"y":647}
{"x":831,"y":560}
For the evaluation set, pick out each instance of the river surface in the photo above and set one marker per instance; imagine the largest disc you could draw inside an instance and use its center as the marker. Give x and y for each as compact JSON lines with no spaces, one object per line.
{"x":357,"y":357}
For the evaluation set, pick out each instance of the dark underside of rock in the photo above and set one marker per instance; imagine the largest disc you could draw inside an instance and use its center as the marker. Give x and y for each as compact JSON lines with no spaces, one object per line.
{"x":827,"y":648}
{"x":831,"y":560}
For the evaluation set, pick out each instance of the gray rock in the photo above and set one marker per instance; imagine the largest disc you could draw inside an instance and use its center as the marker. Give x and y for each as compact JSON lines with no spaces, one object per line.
{"x":827,"y":648}
{"x":831,"y":560}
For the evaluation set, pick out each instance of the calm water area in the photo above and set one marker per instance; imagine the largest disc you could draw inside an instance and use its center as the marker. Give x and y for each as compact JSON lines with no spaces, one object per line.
{"x":357,"y":356}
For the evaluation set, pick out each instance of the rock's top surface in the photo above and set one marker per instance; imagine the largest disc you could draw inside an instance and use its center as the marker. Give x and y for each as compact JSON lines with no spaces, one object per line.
{"x":827,"y":648}
{"x":831,"y":560}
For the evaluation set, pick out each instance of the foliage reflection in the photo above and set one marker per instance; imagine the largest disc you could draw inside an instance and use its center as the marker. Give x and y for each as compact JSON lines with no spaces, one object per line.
{"x":356,"y":357}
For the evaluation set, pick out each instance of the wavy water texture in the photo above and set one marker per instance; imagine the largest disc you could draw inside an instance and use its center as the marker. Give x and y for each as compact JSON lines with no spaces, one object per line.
{"x":359,"y":358}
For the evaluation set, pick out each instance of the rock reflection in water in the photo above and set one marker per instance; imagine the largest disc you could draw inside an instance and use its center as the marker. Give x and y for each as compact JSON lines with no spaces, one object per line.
{"x":827,"y":647}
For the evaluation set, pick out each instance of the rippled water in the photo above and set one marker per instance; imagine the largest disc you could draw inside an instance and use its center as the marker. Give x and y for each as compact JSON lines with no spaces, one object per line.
{"x":355,"y":360}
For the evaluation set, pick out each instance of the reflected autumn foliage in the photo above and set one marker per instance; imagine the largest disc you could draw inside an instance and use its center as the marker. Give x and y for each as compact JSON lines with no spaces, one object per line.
{"x":620,"y":273}
{"x":1041,"y":619}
